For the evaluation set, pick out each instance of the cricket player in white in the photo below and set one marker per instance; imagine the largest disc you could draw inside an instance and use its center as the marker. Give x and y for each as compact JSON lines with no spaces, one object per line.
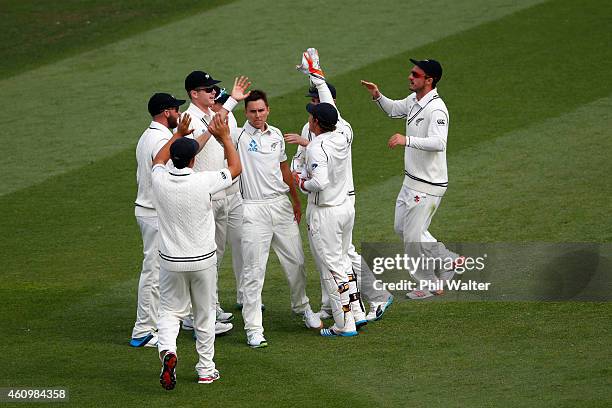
{"x":362,"y":280}
{"x":163,"y":108}
{"x":227,"y":204}
{"x":269,"y":217}
{"x":330,"y":213}
{"x":187,"y":248}
{"x":426,"y":176}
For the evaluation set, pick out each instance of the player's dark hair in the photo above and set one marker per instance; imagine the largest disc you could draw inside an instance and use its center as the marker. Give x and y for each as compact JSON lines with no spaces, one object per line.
{"x":180,"y":164}
{"x":326,"y":127}
{"x":256,"y":95}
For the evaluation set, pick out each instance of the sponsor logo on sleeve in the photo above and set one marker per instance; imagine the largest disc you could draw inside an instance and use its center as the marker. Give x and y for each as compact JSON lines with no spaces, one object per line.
{"x":441,"y":122}
{"x":223,"y":176}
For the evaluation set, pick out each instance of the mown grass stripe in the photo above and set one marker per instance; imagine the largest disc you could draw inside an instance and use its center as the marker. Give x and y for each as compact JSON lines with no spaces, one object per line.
{"x":92,"y":105}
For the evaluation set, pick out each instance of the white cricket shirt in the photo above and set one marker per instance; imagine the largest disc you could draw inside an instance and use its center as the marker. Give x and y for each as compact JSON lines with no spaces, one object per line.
{"x":212,"y":155}
{"x":342,"y":127}
{"x":260,"y":154}
{"x":186,"y":220}
{"x":149,"y":144}
{"x":427,"y":124}
{"x":327,"y":169}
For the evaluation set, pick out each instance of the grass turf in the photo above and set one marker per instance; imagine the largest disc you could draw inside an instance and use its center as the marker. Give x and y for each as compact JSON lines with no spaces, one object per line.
{"x":36,"y":33}
{"x":73,"y":250}
{"x":98,"y":96}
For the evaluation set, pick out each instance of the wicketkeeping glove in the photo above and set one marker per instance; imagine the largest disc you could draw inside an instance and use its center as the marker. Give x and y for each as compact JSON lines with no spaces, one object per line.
{"x":311,"y":66}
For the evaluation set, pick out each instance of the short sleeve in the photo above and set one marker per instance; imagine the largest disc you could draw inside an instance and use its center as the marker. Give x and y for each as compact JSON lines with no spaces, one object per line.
{"x":157,"y":173}
{"x":215,"y":181}
{"x":158,"y":145}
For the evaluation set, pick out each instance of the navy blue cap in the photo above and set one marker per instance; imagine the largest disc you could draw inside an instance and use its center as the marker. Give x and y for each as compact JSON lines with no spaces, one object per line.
{"x":162,"y":101}
{"x":325,"y":113}
{"x":182,"y":151}
{"x":199,"y":79}
{"x":431,"y":67}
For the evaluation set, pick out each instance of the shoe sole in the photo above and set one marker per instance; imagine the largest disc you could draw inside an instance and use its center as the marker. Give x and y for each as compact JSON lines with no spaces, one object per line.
{"x":262,"y":345}
{"x":208,"y":380}
{"x":223,"y":333}
{"x":329,"y":333}
{"x":167,"y":378}
{"x":143,"y":342}
{"x":238,"y":306}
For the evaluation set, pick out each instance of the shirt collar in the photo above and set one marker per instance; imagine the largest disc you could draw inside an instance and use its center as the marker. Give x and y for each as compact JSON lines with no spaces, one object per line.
{"x":428,"y":97}
{"x":180,"y":172}
{"x":159,"y":126}
{"x":252,"y":130}
{"x":199,"y":113}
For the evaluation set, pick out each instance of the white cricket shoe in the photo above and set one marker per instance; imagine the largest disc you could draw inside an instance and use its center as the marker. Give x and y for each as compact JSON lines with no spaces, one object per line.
{"x":223,"y":316}
{"x":312,"y":319}
{"x":149,"y":340}
{"x":324,"y":314}
{"x":256,"y":340}
{"x":209,"y":378}
{"x":333,"y":331}
{"x":187,"y":323}
{"x":448,"y":274}
{"x":378,"y":309}
{"x":222,"y":328}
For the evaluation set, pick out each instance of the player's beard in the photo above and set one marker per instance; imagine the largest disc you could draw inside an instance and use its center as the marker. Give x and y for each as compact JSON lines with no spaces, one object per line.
{"x":172,"y":122}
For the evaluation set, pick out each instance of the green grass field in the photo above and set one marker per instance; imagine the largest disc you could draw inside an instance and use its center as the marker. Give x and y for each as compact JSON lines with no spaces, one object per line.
{"x":528,"y":90}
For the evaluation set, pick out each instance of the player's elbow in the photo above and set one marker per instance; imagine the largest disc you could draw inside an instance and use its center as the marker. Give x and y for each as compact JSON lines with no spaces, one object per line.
{"x":235,"y":170}
{"x":439,"y":145}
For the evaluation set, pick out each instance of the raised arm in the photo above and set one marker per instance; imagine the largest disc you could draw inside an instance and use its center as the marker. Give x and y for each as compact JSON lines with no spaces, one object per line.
{"x":395,"y":109}
{"x":239,"y":93}
{"x":220,"y":130}
{"x":182,"y":130}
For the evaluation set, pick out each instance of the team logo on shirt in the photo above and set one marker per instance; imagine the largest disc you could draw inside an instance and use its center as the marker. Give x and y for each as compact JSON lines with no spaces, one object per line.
{"x":253,"y":146}
{"x":314,"y":165}
{"x":418,"y":121}
{"x":273,"y":147}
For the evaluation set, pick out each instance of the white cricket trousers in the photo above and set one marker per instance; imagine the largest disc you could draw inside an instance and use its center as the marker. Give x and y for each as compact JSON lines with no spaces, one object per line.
{"x":179,"y":290}
{"x":365,"y":278}
{"x":414,"y":211}
{"x":329,"y":233}
{"x":265,"y":223}
{"x":148,"y":285}
{"x":228,"y":227}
